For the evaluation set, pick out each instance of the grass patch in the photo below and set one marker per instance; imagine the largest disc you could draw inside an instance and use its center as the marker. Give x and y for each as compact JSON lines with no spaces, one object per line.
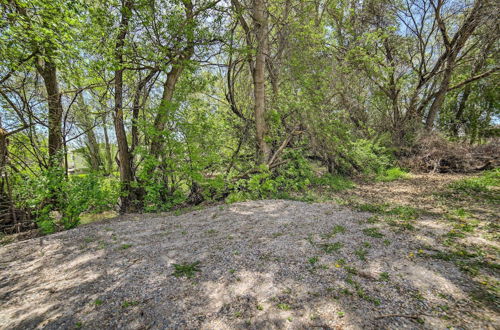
{"x":186,"y":269}
{"x":130,"y":303}
{"x":331,"y":247}
{"x":373,"y":232}
{"x":337,"y":229}
{"x":333,"y":182}
{"x":284,"y":307}
{"x":361,"y":253}
{"x":392,"y":174}
{"x":484,"y":187}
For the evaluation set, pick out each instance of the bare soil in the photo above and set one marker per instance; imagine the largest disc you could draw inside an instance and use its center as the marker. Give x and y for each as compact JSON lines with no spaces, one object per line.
{"x":268,"y":264}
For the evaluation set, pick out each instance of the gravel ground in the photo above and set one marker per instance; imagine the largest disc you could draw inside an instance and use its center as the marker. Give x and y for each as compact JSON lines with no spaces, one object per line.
{"x":268,"y":264}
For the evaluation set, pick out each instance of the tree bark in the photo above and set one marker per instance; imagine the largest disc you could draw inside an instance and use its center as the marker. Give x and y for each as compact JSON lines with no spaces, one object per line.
{"x":261,"y":32}
{"x":48,"y":71}
{"x":128,"y":197}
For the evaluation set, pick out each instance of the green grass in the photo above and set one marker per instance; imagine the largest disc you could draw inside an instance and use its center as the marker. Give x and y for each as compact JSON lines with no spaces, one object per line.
{"x":333,"y":182}
{"x":186,"y":269}
{"x":284,"y":307}
{"x":313,"y":260}
{"x":392,"y":174}
{"x":373,"y":232}
{"x":125,"y":246}
{"x":130,"y":303}
{"x":361,"y":253}
{"x":482,"y":187}
{"x":384,"y":276}
{"x":337,"y":229}
{"x":331,"y":247}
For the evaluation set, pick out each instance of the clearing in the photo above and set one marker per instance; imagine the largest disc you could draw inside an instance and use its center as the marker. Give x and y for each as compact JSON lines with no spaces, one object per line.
{"x":384,"y":255}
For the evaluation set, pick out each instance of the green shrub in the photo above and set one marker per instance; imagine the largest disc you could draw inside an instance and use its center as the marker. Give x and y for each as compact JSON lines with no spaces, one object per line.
{"x":57,"y":202}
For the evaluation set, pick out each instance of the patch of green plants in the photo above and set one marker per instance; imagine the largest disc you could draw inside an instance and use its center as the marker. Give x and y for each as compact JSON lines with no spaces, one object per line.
{"x":331,"y":247}
{"x":384,"y":276}
{"x":373,"y":232}
{"x":404,"y":212}
{"x":372,"y":208}
{"x":284,"y":307}
{"x":125,"y":246}
{"x":361,"y":253}
{"x":361,"y":293}
{"x":98,"y":302}
{"x":482,"y":187}
{"x":129,"y":303}
{"x":188,"y":270}
{"x":313,"y":260}
{"x":392,"y":174}
{"x":75,"y":195}
{"x":335,"y":183}
{"x":337,"y":229}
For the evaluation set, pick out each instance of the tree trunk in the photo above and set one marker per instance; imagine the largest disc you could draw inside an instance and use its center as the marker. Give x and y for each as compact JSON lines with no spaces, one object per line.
{"x":48,"y":72}
{"x":261,"y":31}
{"x":109,"y":158}
{"x":165,"y":105}
{"x":128,"y":197}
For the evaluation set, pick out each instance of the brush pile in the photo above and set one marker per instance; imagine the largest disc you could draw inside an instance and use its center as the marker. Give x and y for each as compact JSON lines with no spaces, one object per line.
{"x":433,"y":153}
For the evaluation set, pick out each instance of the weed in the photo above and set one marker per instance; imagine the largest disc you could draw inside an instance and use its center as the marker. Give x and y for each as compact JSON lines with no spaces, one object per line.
{"x":337,"y":229}
{"x":284,"y":307}
{"x":384,"y":276}
{"x":313,"y":260}
{"x":373,"y":232}
{"x":373,"y":208}
{"x":373,"y":219}
{"x":98,"y":302}
{"x":186,"y":269}
{"x":386,"y":242}
{"x":331,"y":247}
{"x":125,"y":246}
{"x":130,"y":303}
{"x":276,"y":235}
{"x":346,"y":291}
{"x":211,"y":231}
{"x":340,"y":314}
{"x":260,"y":307}
{"x":361,"y":253}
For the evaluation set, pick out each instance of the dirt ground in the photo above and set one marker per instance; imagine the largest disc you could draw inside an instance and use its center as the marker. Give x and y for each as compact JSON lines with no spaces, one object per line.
{"x":381,"y":256}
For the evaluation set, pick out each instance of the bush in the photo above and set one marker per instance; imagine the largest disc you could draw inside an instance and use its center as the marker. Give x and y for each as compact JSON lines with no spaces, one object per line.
{"x":57,"y":202}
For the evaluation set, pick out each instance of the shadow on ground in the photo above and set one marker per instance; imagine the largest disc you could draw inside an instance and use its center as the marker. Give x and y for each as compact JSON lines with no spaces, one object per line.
{"x":264,"y":264}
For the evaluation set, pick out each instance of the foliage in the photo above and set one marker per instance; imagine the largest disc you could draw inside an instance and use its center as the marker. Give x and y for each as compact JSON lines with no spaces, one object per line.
{"x":74,"y":196}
